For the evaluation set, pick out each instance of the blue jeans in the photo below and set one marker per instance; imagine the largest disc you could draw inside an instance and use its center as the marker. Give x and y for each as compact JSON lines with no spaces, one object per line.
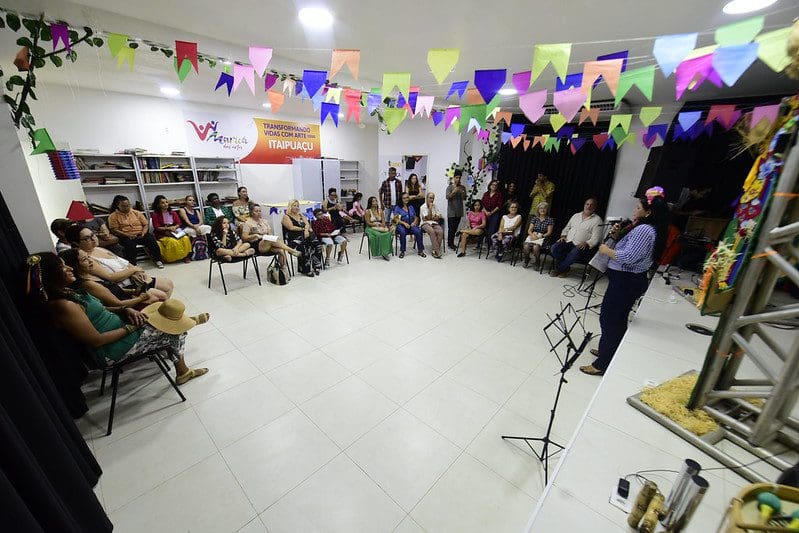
{"x":566,"y":254}
{"x":402,"y":231}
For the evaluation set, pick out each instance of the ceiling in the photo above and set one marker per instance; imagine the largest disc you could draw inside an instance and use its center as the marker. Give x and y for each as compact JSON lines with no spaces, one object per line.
{"x":392,"y":36}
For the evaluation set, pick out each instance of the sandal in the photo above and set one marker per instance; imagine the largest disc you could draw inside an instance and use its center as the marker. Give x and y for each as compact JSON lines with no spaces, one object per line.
{"x":202,"y":318}
{"x":191,"y":374}
{"x":591,"y":371}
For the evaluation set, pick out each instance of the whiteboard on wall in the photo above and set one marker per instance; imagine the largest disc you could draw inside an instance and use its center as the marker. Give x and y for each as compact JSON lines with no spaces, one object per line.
{"x":307,"y":174}
{"x":332,"y":175}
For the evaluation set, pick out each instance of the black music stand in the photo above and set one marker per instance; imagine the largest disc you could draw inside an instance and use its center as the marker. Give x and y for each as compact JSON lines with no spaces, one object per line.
{"x":573,"y":352}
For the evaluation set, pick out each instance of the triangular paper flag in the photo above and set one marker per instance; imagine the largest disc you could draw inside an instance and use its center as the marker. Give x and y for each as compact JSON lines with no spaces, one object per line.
{"x":185,"y":50}
{"x":609,"y":69}
{"x":288,"y":86}
{"x":773,"y":49}
{"x":333,"y":94}
{"x":691,"y":73}
{"x":526,"y":144}
{"x":441,"y":62}
{"x":532,"y":104}
{"x":688,"y":119}
{"x":437,"y":117}
{"x":329,"y":109}
{"x":623,"y":55}
{"x":643,"y":78}
{"x":472,"y":124}
{"x":183,"y":70}
{"x":400,"y":80}
{"x":452,"y":114}
{"x":351,"y":58}
{"x":477,"y":112}
{"x":483,"y":135}
{"x":670,"y":50}
{"x":115,"y":42}
{"x":553,"y":143}
{"x":60,"y":33}
{"x":503,"y":115}
{"x":764,"y":112}
{"x":424,"y":105}
{"x":600,"y":139}
{"x":514,"y":141}
{"x":571,"y":80}
{"x":587,"y":112}
{"x":313,"y":80}
{"x":260,"y":58}
{"x":317,"y":99}
{"x":577,"y":143}
{"x":723,"y":114}
{"x":269,"y":81}
{"x":516,"y":129}
{"x":732,"y":61}
{"x":42,"y":142}
{"x":659,"y":129}
{"x":557,"y":121}
{"x":128,"y":54}
{"x":619,"y":135}
{"x":457,"y":87}
{"x":276,"y":100}
{"x":557,"y":54}
{"x":609,"y":144}
{"x":373,"y":101}
{"x":246,"y":73}
{"x":226,"y":80}
{"x":569,"y":102}
{"x":740,"y":32}
{"x":540,"y":140}
{"x":473,"y":96}
{"x":353,"y":98}
{"x":505,"y":137}
{"x":393,"y":118}
{"x":565,"y":131}
{"x":622,"y":121}
{"x":521,"y":81}
{"x":489,"y":82}
{"x":647,"y":115}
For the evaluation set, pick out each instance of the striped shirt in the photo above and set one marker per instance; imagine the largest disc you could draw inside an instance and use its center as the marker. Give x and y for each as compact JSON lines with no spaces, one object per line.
{"x":634,"y":250}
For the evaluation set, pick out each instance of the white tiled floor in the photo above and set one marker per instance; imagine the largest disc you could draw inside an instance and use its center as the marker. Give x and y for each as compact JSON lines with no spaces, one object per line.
{"x":371,"y":398}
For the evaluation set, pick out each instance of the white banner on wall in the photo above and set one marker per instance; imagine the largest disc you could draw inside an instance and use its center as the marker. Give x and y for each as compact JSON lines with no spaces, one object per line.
{"x":212,"y":135}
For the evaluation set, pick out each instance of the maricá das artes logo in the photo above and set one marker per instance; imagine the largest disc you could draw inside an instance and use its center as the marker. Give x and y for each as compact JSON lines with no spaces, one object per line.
{"x":209,"y":132}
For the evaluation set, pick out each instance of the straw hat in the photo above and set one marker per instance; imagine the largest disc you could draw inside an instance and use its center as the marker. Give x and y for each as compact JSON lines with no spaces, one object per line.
{"x":169,"y":317}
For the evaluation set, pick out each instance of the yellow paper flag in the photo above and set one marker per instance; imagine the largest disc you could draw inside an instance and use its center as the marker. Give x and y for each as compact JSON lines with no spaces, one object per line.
{"x":333,"y":95}
{"x":557,"y":121}
{"x":772,"y":49}
{"x":557,"y":54}
{"x":394,"y":117}
{"x":647,"y":115}
{"x":400,"y":80}
{"x":441,"y":62}
{"x":620,"y":120}
{"x":126,"y":54}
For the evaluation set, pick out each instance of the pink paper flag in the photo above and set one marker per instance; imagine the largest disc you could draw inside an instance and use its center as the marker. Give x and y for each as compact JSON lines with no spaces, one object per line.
{"x":691,"y":73}
{"x":532,"y":104}
{"x":276,"y":100}
{"x":569,"y":102}
{"x":353,"y":99}
{"x":609,"y":69}
{"x":452,"y":114}
{"x":246,"y":73}
{"x":424,"y":105}
{"x":723,"y":114}
{"x":351,"y":58}
{"x":60,"y":33}
{"x":260,"y":58}
{"x":503,"y":115}
{"x":521,"y":80}
{"x":269,"y":81}
{"x":593,"y":114}
{"x":764,"y":112}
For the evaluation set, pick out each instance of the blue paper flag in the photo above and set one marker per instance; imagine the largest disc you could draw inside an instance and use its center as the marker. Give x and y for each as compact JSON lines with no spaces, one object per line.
{"x":610,"y":143}
{"x":670,"y":50}
{"x":489,"y":82}
{"x":571,"y":80}
{"x":437,"y":117}
{"x":577,"y":143}
{"x":457,"y":87}
{"x":373,"y":101}
{"x":401,"y":101}
{"x":688,"y":119}
{"x":732,"y":61}
{"x":309,"y":214}
{"x":317,"y":99}
{"x":623,"y":55}
{"x":225,"y":79}
{"x":412,"y":100}
{"x":658,"y":129}
{"x":313,"y":80}
{"x":329,"y":108}
{"x":273,"y":210}
{"x":298,"y":87}
{"x":516,"y":129}
{"x":506,"y":135}
{"x":565,"y":131}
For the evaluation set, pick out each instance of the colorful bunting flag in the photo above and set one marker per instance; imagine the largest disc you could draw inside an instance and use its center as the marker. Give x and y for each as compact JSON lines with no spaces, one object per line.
{"x":437,"y":117}
{"x":506,"y":136}
{"x":226,"y":80}
{"x":424,"y":105}
{"x":773,"y":49}
{"x":740,"y":32}
{"x":553,"y":143}
{"x":724,"y":114}
{"x":643,"y":78}
{"x":516,"y":129}
{"x":351,"y":58}
{"x":526,"y":144}
{"x":571,"y":80}
{"x":269,"y":81}
{"x":128,"y":54}
{"x":514,"y":141}
{"x":521,"y":81}
{"x":576,"y":144}
{"x":647,"y":115}
{"x":441,"y":62}
{"x":473,"y":96}
{"x":471,"y":123}
{"x":609,"y":69}
{"x":483,"y":135}
{"x":489,"y":82}
{"x":503,"y":115}
{"x":333,"y":94}
{"x":394,"y":117}
{"x":373,"y":101}
{"x":42,"y":142}
{"x":687,"y":119}
{"x":600,"y":139}
{"x":732,"y":61}
{"x":532,"y":104}
{"x":619,"y":135}
{"x":587,"y":112}
{"x":115,"y":43}
{"x":544,"y":54}
{"x":400,"y":80}
{"x":477,"y":112}
{"x":556,"y":120}
{"x":566,"y":131}
{"x":353,"y":99}
{"x":691,"y":73}
{"x":623,"y":55}
{"x":245,"y":73}
{"x":276,"y":100}
{"x":298,"y":88}
{"x":288,"y":86}
{"x":453,"y":113}
{"x":331,"y":110}
{"x":620,"y":121}
{"x":670,"y":50}
{"x":457,"y":87}
{"x":60,"y":34}
{"x":569,"y":102}
{"x":185,"y":50}
{"x":764,"y":112}
{"x":260,"y":58}
{"x":313,"y":80}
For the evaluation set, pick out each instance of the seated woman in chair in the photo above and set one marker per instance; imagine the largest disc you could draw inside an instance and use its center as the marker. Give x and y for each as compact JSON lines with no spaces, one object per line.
{"x":300,"y":237}
{"x":376,"y":230}
{"x":113,"y":336}
{"x":193,"y":219}
{"x":432,"y":219}
{"x":357,"y":212}
{"x":509,"y":229}
{"x":539,"y":230}
{"x":174,"y":243}
{"x":226,"y":244}
{"x":408,"y":223}
{"x":109,"y":293}
{"x":477,"y":226}
{"x":253,"y":232}
{"x":112,"y":268}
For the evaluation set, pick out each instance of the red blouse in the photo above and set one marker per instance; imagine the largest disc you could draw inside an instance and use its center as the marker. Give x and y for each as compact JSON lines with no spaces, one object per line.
{"x":492,"y":202}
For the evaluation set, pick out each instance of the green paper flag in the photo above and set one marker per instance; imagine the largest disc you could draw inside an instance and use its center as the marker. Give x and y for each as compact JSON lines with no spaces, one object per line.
{"x":42,"y":142}
{"x":115,"y":42}
{"x":401,"y":80}
{"x":647,"y":115}
{"x":619,"y":135}
{"x":553,"y":143}
{"x":557,"y":54}
{"x":394,"y":117}
{"x":126,"y":54}
{"x":620,"y":121}
{"x":227,"y":69}
{"x":185,"y":68}
{"x":772,"y":49}
{"x":493,"y":104}
{"x":643,"y":78}
{"x":557,"y":121}
{"x":477,"y":112}
{"x":441,"y":62}
{"x":739,"y":32}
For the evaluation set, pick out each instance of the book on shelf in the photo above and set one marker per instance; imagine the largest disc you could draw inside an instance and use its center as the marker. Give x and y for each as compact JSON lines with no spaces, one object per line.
{"x":155,"y":163}
{"x":167,"y":177}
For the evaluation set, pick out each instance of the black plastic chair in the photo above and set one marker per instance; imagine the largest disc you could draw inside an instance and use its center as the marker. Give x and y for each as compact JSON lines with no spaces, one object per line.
{"x":243,"y":260}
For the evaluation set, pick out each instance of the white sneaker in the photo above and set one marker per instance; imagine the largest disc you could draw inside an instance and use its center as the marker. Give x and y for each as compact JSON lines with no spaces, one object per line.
{"x":159,"y":264}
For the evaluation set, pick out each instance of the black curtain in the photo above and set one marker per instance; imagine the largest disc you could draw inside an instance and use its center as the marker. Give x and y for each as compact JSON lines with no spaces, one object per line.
{"x":588,"y":173}
{"x":46,"y":469}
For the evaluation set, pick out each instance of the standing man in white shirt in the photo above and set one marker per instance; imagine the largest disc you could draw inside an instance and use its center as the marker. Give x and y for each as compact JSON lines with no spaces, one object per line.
{"x":390,"y":192}
{"x":581,"y":234}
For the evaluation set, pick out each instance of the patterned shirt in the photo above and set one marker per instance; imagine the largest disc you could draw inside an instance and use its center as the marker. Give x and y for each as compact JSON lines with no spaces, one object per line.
{"x":634,"y":250}
{"x":541,"y":226}
{"x":323,"y":225}
{"x":231,"y":241}
{"x":542,"y":193}
{"x":385,"y":192}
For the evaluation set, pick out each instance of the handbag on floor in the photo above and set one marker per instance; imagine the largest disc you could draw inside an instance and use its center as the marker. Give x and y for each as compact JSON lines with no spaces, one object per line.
{"x":276,"y":276}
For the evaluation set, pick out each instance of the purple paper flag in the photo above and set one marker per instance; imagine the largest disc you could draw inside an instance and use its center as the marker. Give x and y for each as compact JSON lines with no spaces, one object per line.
{"x":270,"y":81}
{"x":457,"y":87}
{"x":532,"y":104}
{"x":412,"y":99}
{"x":565,"y":132}
{"x":225,"y":79}
{"x":373,"y":101}
{"x":489,"y":82}
{"x":483,"y":135}
{"x":732,"y":61}
{"x":659,"y":129}
{"x":521,"y":81}
{"x":437,"y":117}
{"x":400,"y":101}
{"x":678,"y":133}
{"x":452,"y":114}
{"x":298,"y":88}
{"x":577,"y":143}
{"x":506,"y":137}
{"x":572,"y":80}
{"x":313,"y":80}
{"x":329,"y":109}
{"x":648,"y":139}
{"x":273,"y":210}
{"x":516,"y":129}
{"x":569,"y":102}
{"x":768,"y":112}
{"x":691,"y":73}
{"x":688,"y":119}
{"x":670,"y":50}
{"x":623,"y":55}
{"x":60,"y":33}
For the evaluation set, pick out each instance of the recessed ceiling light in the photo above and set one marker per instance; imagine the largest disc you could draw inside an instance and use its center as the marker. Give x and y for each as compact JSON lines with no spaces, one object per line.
{"x":169,"y":91}
{"x":737,"y":7}
{"x":267,"y":105}
{"x":316,"y":17}
{"x":226,"y":62}
{"x":508,"y":91}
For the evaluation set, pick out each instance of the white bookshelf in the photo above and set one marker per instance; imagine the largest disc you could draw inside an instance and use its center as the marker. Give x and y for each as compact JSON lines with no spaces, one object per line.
{"x":350,"y":178}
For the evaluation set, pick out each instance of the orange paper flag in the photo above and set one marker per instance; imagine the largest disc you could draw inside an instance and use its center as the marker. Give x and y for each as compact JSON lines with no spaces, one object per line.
{"x":609,"y":69}
{"x":538,"y":139}
{"x":276,"y":100}
{"x":514,"y":141}
{"x":592,"y":113}
{"x":473,"y":97}
{"x":503,"y":115}
{"x":526,"y":144}
{"x":351,"y":58}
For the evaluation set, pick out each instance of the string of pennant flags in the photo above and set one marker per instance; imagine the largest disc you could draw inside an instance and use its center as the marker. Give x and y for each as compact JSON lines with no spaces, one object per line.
{"x":737,"y":46}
